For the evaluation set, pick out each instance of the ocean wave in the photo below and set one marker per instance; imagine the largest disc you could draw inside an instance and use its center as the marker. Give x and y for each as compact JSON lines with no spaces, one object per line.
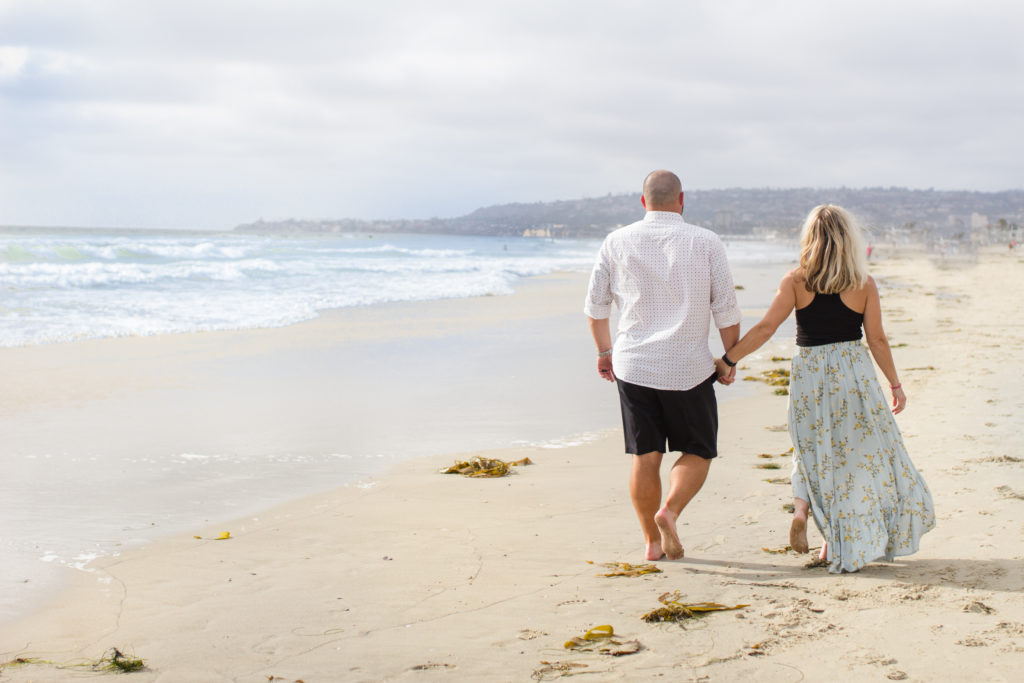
{"x":65,"y":288}
{"x":99,"y":274}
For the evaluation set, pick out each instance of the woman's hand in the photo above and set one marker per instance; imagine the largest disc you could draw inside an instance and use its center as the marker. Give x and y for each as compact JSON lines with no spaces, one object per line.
{"x":899,"y":399}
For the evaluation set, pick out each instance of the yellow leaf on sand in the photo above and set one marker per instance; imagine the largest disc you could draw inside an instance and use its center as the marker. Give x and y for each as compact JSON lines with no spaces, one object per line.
{"x":199,"y":537}
{"x":224,"y":535}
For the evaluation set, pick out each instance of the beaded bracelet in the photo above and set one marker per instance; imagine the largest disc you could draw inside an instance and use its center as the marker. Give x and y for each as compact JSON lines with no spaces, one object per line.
{"x":896,"y":387}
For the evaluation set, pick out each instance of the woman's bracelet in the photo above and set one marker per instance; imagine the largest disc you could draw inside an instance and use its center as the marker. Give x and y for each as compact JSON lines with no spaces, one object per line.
{"x":898,"y":386}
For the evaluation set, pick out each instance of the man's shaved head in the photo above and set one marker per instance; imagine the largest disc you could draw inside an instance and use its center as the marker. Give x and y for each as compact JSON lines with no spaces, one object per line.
{"x":661,"y":191}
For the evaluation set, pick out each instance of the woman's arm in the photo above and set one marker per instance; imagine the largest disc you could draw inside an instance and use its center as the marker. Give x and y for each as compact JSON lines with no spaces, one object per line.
{"x":782,"y":306}
{"x":878,"y":343}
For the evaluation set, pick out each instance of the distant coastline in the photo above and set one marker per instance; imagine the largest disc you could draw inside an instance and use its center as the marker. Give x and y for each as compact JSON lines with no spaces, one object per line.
{"x":913,"y":215}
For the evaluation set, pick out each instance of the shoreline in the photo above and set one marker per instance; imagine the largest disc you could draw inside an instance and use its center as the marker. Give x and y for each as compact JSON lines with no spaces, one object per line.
{"x":473,"y":577}
{"x":237,"y":421}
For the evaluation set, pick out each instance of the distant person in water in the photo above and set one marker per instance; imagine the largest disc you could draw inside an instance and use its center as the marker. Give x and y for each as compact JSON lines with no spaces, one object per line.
{"x":850,"y":468}
{"x":668,"y":279}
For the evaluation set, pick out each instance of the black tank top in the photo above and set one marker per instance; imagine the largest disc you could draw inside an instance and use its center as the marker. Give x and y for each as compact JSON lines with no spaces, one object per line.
{"x":827,"y":320}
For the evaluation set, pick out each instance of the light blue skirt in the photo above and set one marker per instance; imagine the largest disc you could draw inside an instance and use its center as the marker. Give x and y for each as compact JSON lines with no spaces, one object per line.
{"x":849,"y":462}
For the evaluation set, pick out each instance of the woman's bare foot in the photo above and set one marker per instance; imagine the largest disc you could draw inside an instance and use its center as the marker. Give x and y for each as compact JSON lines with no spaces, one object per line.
{"x":823,"y":555}
{"x":666,"y":522}
{"x":798,"y":534}
{"x":654,"y":551}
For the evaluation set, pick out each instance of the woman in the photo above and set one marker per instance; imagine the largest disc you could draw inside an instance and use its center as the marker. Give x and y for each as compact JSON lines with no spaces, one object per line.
{"x":850,"y":469}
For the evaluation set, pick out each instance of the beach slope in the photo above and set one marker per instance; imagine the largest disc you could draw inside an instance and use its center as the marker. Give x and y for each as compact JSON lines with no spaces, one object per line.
{"x":425,"y":576}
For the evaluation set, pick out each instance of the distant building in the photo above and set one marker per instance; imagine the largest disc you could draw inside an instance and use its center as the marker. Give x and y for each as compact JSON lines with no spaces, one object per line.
{"x":723,"y":220}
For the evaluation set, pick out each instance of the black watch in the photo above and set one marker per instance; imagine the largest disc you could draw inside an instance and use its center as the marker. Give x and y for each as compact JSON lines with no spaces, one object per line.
{"x":725,"y":359}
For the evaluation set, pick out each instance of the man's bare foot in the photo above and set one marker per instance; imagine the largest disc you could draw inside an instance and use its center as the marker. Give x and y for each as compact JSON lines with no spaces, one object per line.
{"x":798,"y":534}
{"x":654,"y":551}
{"x":666,"y":522}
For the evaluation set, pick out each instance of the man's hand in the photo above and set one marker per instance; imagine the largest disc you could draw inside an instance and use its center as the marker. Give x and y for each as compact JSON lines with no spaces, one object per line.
{"x":604,"y":368}
{"x":726,"y":374}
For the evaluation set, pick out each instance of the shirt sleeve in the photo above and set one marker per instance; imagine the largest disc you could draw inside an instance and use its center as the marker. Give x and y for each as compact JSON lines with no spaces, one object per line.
{"x":599,"y":293}
{"x":723,"y":293}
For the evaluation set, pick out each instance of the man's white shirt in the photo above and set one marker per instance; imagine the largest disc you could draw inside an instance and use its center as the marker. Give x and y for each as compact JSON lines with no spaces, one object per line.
{"x":668,"y":278}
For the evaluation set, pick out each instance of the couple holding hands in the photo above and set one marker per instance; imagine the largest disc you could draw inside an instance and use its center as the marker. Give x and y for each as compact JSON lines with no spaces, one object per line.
{"x":851,"y":472}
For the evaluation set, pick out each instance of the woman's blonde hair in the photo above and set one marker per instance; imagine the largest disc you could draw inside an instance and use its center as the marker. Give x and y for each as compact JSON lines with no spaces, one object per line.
{"x":832,"y":255}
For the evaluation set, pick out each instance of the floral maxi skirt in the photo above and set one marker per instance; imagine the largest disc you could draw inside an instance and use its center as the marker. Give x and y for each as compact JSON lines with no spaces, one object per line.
{"x":849,"y":462}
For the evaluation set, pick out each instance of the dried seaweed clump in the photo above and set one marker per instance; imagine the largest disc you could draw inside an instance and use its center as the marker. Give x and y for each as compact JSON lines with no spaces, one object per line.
{"x":627,"y":569}
{"x":778,"y":377}
{"x":484,"y":467}
{"x":115,"y":660}
{"x":781,"y":550}
{"x":676,"y":610}
{"x":601,"y":639}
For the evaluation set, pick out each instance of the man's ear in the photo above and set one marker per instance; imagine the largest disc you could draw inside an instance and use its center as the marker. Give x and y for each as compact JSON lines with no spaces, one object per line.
{"x":643,"y":201}
{"x":681,"y":202}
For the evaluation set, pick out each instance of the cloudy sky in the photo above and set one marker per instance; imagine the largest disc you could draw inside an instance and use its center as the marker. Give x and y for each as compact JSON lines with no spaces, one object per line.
{"x":211,"y":113}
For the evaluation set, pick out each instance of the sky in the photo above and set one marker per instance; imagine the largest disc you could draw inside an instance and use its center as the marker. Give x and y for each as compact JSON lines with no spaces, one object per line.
{"x":189,"y":114}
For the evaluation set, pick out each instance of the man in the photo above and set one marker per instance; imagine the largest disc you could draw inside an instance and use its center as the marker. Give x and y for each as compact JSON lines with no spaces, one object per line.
{"x":668,"y":278}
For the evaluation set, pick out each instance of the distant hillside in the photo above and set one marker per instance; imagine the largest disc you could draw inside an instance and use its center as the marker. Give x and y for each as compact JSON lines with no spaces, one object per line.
{"x":731,"y":211}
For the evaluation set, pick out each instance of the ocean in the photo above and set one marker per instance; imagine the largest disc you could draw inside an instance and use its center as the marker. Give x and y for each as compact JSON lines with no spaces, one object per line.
{"x":67,"y":285}
{"x":155,"y":461}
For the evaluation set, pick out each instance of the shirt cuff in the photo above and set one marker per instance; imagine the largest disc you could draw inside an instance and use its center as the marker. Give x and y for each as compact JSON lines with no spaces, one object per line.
{"x":728,"y":317}
{"x":597,"y":311}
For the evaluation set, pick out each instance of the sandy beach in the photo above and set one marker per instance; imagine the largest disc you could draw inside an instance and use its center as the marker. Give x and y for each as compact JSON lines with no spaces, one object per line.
{"x":415,"y":575}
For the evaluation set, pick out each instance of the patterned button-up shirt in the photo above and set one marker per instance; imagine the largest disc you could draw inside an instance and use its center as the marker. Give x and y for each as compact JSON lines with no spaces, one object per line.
{"x":668,"y":279}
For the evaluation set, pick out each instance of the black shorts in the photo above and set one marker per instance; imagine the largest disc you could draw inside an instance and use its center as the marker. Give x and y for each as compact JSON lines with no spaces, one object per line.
{"x":688,"y":420}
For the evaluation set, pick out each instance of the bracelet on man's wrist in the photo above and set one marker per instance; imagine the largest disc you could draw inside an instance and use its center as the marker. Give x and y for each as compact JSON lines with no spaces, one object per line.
{"x":725,"y":359}
{"x":604,"y":354}
{"x":896,"y":386}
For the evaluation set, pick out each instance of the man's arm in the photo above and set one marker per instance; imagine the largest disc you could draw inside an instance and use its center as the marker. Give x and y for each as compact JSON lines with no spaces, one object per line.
{"x":724,"y":308}
{"x":600,"y":330}
{"x":730,"y":335}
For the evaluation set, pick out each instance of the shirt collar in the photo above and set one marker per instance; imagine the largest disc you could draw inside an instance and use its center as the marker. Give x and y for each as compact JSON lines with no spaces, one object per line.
{"x":663,"y":216}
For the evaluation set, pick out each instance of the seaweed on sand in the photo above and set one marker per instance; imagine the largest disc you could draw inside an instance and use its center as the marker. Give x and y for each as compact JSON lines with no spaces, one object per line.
{"x":778,"y":455}
{"x":113,"y":661}
{"x":778,"y":377}
{"x":674,"y":609}
{"x":601,"y":640}
{"x":627,"y":569}
{"x":484,"y":467}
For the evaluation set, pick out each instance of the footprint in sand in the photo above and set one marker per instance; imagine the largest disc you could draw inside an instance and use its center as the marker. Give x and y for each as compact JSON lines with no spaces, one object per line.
{"x":1006,"y":492}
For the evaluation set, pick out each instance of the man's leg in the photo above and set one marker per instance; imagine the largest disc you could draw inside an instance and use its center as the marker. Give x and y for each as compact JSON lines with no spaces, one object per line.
{"x":645,"y":490}
{"x":686,"y":478}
